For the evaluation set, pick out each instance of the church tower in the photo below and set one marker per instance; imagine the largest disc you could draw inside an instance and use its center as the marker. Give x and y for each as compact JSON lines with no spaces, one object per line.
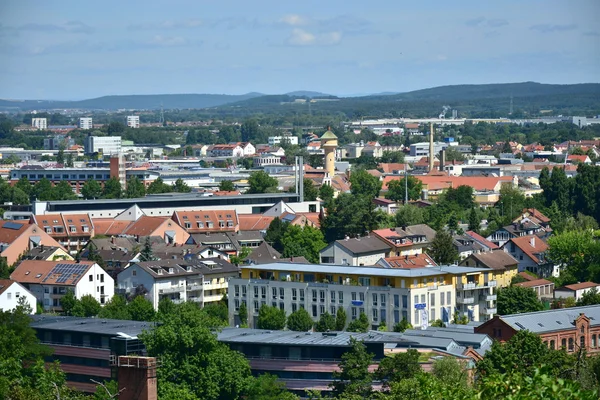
{"x":329,"y":143}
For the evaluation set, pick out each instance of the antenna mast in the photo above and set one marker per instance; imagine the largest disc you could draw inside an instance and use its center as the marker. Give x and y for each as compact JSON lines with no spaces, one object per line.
{"x":510,"y":111}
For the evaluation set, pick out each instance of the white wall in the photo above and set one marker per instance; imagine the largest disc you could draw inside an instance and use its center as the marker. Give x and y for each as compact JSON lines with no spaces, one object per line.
{"x":99,"y":279}
{"x":9,"y":299}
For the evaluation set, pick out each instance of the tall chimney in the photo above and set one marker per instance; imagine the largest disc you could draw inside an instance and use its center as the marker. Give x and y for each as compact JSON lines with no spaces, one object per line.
{"x":442,"y":159}
{"x":431,"y":147}
{"x":301,"y":178}
{"x":137,"y":378}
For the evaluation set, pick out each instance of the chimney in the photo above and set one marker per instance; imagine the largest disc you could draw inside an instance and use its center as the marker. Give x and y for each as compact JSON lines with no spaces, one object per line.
{"x":137,"y":378}
{"x":431,"y":147}
{"x":442,"y":159}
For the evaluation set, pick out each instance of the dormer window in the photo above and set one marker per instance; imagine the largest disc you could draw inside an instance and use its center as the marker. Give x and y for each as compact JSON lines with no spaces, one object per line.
{"x":159,"y":271}
{"x":200,"y":224}
{"x":170,"y":270}
{"x":185,"y":217}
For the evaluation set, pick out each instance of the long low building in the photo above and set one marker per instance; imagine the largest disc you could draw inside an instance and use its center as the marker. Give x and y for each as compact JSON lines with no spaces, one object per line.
{"x":383,"y":294}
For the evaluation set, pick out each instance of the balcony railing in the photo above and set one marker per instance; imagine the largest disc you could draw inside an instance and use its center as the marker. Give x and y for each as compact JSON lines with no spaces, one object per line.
{"x":465,"y":300}
{"x":491,"y":283}
{"x":176,"y":289}
{"x":467,"y":286}
{"x":193,"y":287}
{"x":489,"y":311}
{"x":488,"y":297}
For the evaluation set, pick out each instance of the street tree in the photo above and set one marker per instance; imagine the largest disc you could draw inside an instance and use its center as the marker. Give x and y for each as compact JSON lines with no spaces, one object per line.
{"x":340,"y":319}
{"x":354,"y":377}
{"x":91,"y":190}
{"x":396,"y":189}
{"x":517,"y":299}
{"x":361,"y":324}
{"x":261,"y":182}
{"x":226,"y":186}
{"x":442,"y":248}
{"x":326,"y":323}
{"x":300,"y":321}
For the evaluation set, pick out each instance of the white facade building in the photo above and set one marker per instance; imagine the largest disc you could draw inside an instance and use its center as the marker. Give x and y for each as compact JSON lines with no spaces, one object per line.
{"x":85,"y":123}
{"x":276,"y":140}
{"x":422,"y":148}
{"x":133,"y":121}
{"x":107,"y":145}
{"x":12,"y":292}
{"x":39,"y":123}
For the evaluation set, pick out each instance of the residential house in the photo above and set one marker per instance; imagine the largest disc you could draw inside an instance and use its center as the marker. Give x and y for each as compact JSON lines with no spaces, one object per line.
{"x":47,"y":253}
{"x":531,"y":251}
{"x":253,"y":222}
{"x":408,"y":240}
{"x":525,"y":227}
{"x":565,"y":328}
{"x":11,"y":293}
{"x":578,"y":159}
{"x":544,"y":289}
{"x":199,"y":150}
{"x":576,"y":290}
{"x":225,"y":150}
{"x":73,"y":231}
{"x":466,"y":245}
{"x":422,"y":260}
{"x":482,"y":241}
{"x":202,"y":281}
{"x":18,"y":238}
{"x":49,"y":281}
{"x":507,"y":266}
{"x":355,"y":251}
{"x":164,"y":227}
{"x":248,"y":148}
{"x":207,"y":221}
{"x":385,"y":205}
{"x":417,"y":295}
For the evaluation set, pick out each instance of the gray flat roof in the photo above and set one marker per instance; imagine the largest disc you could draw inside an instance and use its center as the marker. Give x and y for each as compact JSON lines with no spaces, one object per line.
{"x":373,"y":271}
{"x":552,"y":320}
{"x":90,"y":325}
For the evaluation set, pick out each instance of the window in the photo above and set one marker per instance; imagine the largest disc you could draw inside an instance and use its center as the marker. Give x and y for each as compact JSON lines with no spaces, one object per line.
{"x":101,"y":278}
{"x":396,"y":300}
{"x":422,"y":298}
{"x":321,"y":309}
{"x":237,"y":305}
{"x":353,"y":296}
{"x":353,"y":312}
{"x":563,"y":343}
{"x":432,"y":297}
{"x":255,"y":306}
{"x":237,"y":290}
{"x":281,"y":293}
{"x":416,"y":299}
{"x":448,"y":298}
{"x":593,"y":341}
{"x":552,"y":344}
{"x":187,"y":225}
{"x":294,"y":294}
{"x":374,"y":299}
{"x":442,"y":299}
{"x":332,"y":293}
{"x":294,"y":307}
{"x":256,"y":292}
{"x":340,"y":297}
{"x":332,"y":310}
{"x":382,"y":299}
{"x":91,"y":277}
{"x":582,"y":342}
{"x":314,"y":310}
{"x":375,"y":316}
{"x":301,"y":294}
{"x":263,"y":292}
{"x":361,"y":295}
{"x":274,"y":304}
{"x":8,"y":296}
{"x":404,"y":301}
{"x":571,"y":344}
{"x":314,"y":295}
{"x":364,"y":281}
{"x":432,"y":316}
{"x":322,"y":296}
{"x":274,"y":291}
{"x":281,"y":305}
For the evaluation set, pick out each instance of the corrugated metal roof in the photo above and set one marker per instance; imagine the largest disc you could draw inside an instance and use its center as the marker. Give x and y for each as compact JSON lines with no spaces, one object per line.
{"x":552,"y":320}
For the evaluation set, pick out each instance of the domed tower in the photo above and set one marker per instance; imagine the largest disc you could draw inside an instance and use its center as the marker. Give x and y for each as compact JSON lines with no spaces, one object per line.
{"x":329,"y":143}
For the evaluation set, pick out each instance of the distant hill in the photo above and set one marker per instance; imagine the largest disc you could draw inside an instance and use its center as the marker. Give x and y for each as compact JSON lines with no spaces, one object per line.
{"x":136,"y":102}
{"x":307,"y":93}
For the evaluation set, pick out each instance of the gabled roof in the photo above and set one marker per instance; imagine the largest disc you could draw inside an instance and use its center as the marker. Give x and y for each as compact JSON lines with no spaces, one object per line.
{"x":364,"y":245}
{"x":389,"y":168}
{"x":145,"y":226}
{"x":11,"y":230}
{"x":415,"y":261}
{"x":109,"y":226}
{"x":496,"y":259}
{"x":480,"y":239}
{"x":534,"y":283}
{"x":5,"y":284}
{"x":263,"y":254}
{"x":206,"y":266}
{"x":253,"y":222}
{"x":66,"y":273}
{"x":531,"y":245}
{"x":201,"y":220}
{"x":580,"y":286}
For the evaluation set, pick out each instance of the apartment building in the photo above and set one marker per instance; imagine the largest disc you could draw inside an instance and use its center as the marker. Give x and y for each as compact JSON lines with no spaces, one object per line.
{"x":277,"y":140}
{"x":85,"y":123}
{"x":133,"y":121}
{"x":39,"y":123}
{"x":407,"y":240}
{"x":11,"y":293}
{"x":207,"y":221}
{"x":106,"y":145}
{"x":72,"y":231}
{"x":49,"y":281}
{"x":418,"y":295}
{"x":202,"y":281}
{"x":355,"y":251}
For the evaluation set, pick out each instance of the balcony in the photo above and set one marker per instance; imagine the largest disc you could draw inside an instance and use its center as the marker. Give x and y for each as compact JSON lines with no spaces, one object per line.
{"x":488,"y":297}
{"x":176,"y":289}
{"x":467,"y":286}
{"x":491,"y":283}
{"x":465,"y":300}
{"x":489,"y":311}
{"x":192,"y":287}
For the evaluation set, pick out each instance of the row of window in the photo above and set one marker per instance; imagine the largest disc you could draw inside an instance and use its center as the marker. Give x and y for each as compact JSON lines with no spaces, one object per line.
{"x":209,"y":224}
{"x":570,"y":343}
{"x":65,"y":176}
{"x":60,"y":229}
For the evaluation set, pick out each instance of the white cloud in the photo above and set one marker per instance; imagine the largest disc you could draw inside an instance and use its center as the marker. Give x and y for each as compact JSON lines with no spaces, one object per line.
{"x":294,"y":20}
{"x":167,"y":41}
{"x":301,"y":37}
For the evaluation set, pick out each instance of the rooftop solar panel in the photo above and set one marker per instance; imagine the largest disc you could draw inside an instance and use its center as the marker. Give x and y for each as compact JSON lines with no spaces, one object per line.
{"x":12,"y":225}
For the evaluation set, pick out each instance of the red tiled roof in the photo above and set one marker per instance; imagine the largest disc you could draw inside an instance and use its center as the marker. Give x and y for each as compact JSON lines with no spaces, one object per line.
{"x":36,"y":271}
{"x":145,"y":226}
{"x":389,"y":168}
{"x":482,"y":240}
{"x":524,"y":243}
{"x":251,"y":222}
{"x":226,"y":193}
{"x":582,"y":285}
{"x":8,"y":234}
{"x":5,"y":284}
{"x":415,"y":261}
{"x":199,"y":220}
{"x":438,"y":182}
{"x":109,"y":226}
{"x":534,"y":283}
{"x":580,"y":158}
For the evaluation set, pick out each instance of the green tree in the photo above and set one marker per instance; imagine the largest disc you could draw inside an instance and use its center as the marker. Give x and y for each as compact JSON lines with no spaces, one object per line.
{"x":218,"y":311}
{"x":517,"y":299}
{"x":589,"y":298}
{"x":147,"y":254}
{"x":354,"y":378}
{"x":303,"y":242}
{"x":43,"y":190}
{"x":115,"y":308}
{"x":511,"y":203}
{"x":158,"y":186}
{"x":327,"y":322}
{"x":453,"y":223}
{"x":60,"y":157}
{"x":193,"y":363}
{"x":275,"y":232}
{"x":409,"y":215}
{"x":68,"y":302}
{"x":462,"y":197}
{"x":24,"y":184}
{"x":402,"y":326}
{"x":64,"y":191}
{"x":578,"y":252}
{"x":250,"y":130}
{"x":452,"y":154}
{"x":181,"y":187}
{"x":271,"y":318}
{"x":392,"y":157}
{"x":398,"y":366}
{"x":141,"y":309}
{"x":268,"y":387}
{"x":363,"y":183}
{"x":351,"y":215}
{"x":361,"y":324}
{"x":310,"y":190}
{"x":243,"y":313}
{"x":396,"y":189}
{"x":91,"y":190}
{"x":112,"y":189}
{"x":69,"y":163}
{"x":226,"y":186}
{"x":261,"y":182}
{"x":474,"y":220}
{"x":135,"y":188}
{"x":340,"y":319}
{"x":450,"y":371}
{"x":326,"y":193}
{"x":442,"y":248}
{"x":300,"y":321}
{"x":17,"y":196}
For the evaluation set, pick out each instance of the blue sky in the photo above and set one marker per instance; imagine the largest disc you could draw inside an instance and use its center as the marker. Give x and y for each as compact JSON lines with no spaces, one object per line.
{"x":83,"y":49}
